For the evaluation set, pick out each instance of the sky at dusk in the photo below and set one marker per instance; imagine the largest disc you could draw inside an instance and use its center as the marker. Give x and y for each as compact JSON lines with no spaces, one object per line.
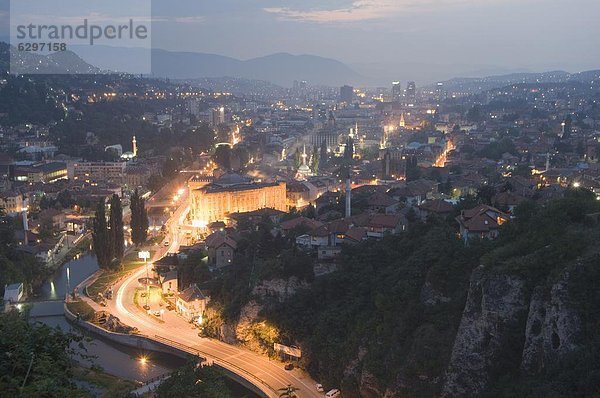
{"x":507,"y":33}
{"x":533,"y":35}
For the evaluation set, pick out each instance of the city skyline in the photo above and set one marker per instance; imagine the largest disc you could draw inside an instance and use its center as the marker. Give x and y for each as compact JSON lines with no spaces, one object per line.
{"x":388,"y":40}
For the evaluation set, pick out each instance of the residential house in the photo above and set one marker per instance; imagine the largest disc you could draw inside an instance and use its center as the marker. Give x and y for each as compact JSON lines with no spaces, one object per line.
{"x":414,"y":193}
{"x":436,"y":206}
{"x":355,"y":235}
{"x":507,"y":200}
{"x":380,"y":225}
{"x":221,"y":249}
{"x":13,"y":202}
{"x":253,"y":218}
{"x":13,"y":293}
{"x":382,"y":203}
{"x":297,"y":224}
{"x":191,"y":303}
{"x":481,"y":222}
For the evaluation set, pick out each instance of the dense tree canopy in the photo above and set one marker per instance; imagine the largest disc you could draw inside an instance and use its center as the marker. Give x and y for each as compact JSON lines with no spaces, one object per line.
{"x":35,"y":360}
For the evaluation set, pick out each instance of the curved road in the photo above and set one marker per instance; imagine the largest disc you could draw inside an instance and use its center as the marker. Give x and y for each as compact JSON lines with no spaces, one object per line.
{"x":180,"y":332}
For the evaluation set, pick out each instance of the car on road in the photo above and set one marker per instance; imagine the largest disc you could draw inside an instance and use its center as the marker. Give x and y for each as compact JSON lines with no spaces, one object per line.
{"x":289,"y":366}
{"x":319,"y":387}
{"x":335,"y":393}
{"x":155,"y":313}
{"x":166,"y":243}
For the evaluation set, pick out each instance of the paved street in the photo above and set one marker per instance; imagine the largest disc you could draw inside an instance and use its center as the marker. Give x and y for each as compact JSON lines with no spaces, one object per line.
{"x":178,"y":331}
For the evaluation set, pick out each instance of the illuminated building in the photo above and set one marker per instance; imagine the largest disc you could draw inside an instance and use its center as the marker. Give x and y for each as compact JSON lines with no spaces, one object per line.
{"x":98,"y":171}
{"x":233,"y":193}
{"x":396,"y":91}
{"x":411,"y":90}
{"x":217,"y":116}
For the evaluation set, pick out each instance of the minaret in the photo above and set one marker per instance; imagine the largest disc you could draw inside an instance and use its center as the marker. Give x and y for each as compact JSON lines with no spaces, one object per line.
{"x":25,"y":226}
{"x":134,"y":145}
{"x":547,"y":161}
{"x":348,"y":197}
{"x":304,"y":156}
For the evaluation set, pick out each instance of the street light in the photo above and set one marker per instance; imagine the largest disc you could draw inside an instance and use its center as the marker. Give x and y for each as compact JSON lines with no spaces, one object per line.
{"x":145,"y":255}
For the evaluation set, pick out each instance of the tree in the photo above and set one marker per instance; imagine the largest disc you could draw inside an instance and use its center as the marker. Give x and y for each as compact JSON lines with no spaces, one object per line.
{"x":116,"y":227}
{"x":139,"y":219}
{"x":65,"y":199}
{"x":194,"y":381}
{"x":349,"y":149}
{"x":101,"y":237}
{"x":485,"y":193}
{"x":36,"y":359}
{"x":46,"y":229}
{"x":314,"y":160}
{"x":222,"y":156}
{"x":297,"y":159}
{"x":323,"y":153}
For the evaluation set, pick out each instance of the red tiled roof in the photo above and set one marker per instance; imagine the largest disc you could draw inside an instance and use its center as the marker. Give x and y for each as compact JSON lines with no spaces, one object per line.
{"x":436,"y":206}
{"x":218,"y":239}
{"x":356,"y":234}
{"x":296,"y":222}
{"x":381,"y":199}
{"x":386,"y":220}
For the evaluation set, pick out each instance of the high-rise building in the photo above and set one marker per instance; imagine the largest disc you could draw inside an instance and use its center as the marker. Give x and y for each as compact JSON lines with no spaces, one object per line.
{"x":396,"y":91}
{"x":411,"y":90}
{"x":347,"y":94}
{"x":192,"y":106}
{"x":218,"y":116}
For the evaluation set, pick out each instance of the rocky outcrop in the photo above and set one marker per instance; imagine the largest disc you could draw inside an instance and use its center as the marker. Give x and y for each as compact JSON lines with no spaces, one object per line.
{"x":279,"y":289}
{"x":245,"y":330}
{"x":552,"y":327}
{"x":112,"y":323}
{"x":431,"y":296}
{"x":496,"y":305}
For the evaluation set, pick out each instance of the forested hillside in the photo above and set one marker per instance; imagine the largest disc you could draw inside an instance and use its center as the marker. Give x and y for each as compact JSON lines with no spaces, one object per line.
{"x":422,"y":315}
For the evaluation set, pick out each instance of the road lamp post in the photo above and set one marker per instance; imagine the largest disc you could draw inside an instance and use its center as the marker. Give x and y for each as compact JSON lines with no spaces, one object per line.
{"x":146,"y":255}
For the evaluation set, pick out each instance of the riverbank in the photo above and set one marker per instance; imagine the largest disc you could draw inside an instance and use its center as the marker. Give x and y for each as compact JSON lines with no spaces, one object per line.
{"x":52,"y":271}
{"x":170,"y":347}
{"x":102,"y":384}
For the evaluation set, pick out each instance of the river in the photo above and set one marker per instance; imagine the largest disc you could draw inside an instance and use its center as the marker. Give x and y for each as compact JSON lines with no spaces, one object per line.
{"x":113,"y":358}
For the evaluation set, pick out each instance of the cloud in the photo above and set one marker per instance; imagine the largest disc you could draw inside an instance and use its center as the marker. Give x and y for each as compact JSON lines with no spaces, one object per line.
{"x":360,"y":10}
{"x":198,"y":19}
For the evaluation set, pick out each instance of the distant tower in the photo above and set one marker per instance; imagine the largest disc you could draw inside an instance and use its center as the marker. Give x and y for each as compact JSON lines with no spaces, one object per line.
{"x":134,"y":146}
{"x":411,"y":90}
{"x":396,"y":91}
{"x":402,"y":121}
{"x":354,"y":132}
{"x":547,"y":161}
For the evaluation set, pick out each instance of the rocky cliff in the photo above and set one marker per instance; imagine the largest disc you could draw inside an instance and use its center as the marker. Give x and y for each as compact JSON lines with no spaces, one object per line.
{"x":505,"y":327}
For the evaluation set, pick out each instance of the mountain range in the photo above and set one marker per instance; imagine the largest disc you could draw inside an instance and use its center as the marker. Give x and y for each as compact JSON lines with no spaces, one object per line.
{"x":473,"y":85}
{"x":281,"y":69}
